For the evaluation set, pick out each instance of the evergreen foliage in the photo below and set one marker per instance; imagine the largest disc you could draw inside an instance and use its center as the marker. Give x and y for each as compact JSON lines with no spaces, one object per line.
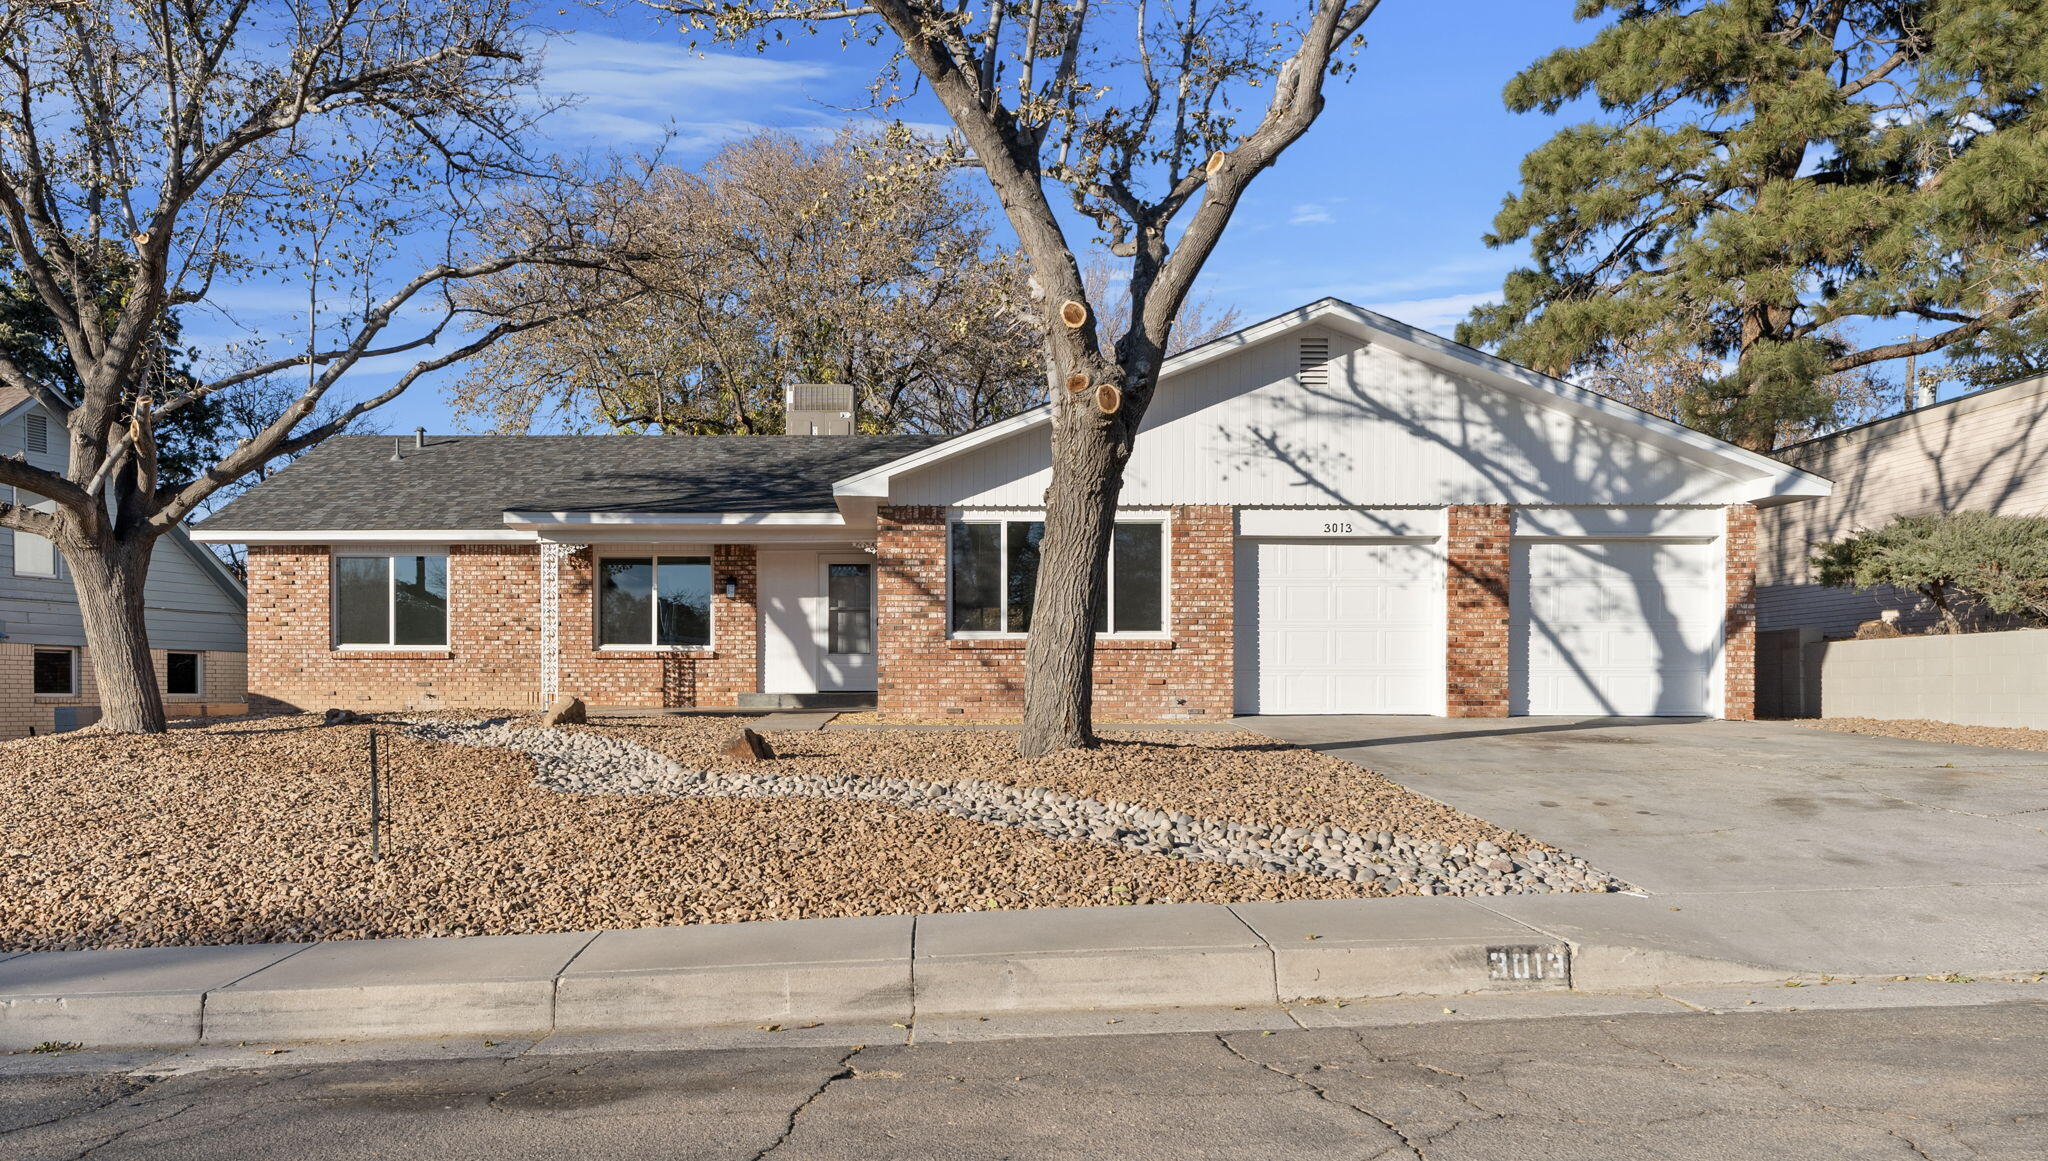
{"x":1964,"y":563}
{"x":1777,"y":174}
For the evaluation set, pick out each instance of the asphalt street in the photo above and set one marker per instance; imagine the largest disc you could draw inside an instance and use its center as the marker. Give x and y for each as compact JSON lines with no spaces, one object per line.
{"x":1912,"y":1083}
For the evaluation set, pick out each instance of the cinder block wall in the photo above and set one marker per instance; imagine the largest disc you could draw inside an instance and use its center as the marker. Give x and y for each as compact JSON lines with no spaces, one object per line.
{"x":923,"y":673}
{"x":1971,"y":679}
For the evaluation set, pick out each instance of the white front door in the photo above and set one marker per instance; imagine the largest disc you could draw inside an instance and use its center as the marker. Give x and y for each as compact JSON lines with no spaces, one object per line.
{"x":1340,"y":627}
{"x":846,"y":630}
{"x":789,"y":600}
{"x":1614,"y":627}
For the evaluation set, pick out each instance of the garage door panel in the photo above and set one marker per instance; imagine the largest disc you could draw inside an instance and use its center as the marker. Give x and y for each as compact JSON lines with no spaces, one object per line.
{"x":1614,"y":627}
{"x":1339,"y":627}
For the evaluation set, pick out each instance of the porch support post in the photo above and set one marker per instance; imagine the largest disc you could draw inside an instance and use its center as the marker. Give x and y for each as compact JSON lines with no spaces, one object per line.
{"x":552,"y":553}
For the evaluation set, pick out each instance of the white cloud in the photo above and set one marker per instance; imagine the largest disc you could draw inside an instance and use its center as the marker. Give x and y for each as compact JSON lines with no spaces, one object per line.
{"x":1310,"y":214}
{"x":1441,"y":314}
{"x":628,"y":92}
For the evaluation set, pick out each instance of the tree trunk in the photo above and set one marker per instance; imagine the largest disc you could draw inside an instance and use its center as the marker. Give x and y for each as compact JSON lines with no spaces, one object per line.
{"x":109,"y":583}
{"x":1080,"y":508}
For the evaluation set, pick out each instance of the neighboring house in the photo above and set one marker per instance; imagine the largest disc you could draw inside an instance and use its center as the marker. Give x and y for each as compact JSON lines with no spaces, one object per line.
{"x":1986,"y":451}
{"x":193,"y":606}
{"x":1328,"y":512}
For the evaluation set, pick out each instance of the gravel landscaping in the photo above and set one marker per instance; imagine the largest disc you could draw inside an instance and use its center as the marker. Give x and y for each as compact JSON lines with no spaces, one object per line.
{"x":1923,"y":730}
{"x":256,"y":830}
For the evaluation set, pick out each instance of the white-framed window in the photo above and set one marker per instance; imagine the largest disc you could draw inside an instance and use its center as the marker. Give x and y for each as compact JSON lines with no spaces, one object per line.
{"x":55,"y":671}
{"x":184,"y":673}
{"x":34,"y":555}
{"x":654,"y":602}
{"x":391,"y":601}
{"x":992,"y":570}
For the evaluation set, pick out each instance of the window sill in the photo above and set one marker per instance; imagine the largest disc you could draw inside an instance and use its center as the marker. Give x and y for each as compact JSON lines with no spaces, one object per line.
{"x":391,"y":652}
{"x":56,"y":698}
{"x":1102,"y":644}
{"x":643,"y":652}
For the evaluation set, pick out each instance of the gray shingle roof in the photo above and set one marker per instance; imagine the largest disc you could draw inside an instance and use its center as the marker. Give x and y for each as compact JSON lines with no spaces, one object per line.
{"x":469,"y":482}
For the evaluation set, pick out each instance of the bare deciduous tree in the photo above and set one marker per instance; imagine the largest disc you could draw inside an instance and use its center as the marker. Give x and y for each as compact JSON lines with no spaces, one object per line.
{"x":194,"y":145}
{"x":776,"y":262}
{"x":1153,"y":119}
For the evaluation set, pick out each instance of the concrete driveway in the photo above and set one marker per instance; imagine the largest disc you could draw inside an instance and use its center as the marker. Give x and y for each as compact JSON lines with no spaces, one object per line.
{"x":1836,"y":849}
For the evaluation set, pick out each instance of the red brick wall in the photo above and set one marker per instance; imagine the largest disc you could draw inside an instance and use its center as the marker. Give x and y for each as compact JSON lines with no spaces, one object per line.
{"x":492,"y":659}
{"x":1739,"y":654}
{"x":493,"y":655}
{"x":921,"y":672}
{"x":664,"y":677}
{"x":1477,"y":599}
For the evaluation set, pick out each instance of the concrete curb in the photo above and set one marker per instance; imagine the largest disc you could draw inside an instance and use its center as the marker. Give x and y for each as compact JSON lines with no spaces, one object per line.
{"x":887,"y":970}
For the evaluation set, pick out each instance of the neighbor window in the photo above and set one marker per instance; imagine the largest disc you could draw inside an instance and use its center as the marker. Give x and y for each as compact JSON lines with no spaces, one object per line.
{"x":654,"y":600}
{"x":33,"y":555}
{"x":181,"y":673}
{"x":995,"y":577}
{"x":56,"y":672}
{"x":391,"y":600}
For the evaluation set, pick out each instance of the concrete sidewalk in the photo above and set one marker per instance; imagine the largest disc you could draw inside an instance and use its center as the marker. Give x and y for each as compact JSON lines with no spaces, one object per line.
{"x":882,"y":971}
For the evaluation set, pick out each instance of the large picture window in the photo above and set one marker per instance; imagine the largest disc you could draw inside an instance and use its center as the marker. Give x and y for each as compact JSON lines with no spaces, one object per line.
{"x":994,"y":570}
{"x":391,"y":600}
{"x":654,"y":600}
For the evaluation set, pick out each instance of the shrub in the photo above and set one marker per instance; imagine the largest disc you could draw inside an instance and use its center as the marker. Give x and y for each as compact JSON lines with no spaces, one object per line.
{"x":1964,"y":563}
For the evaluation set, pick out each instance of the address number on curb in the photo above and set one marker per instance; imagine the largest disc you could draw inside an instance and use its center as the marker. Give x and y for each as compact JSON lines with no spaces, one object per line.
{"x":1529,"y":963}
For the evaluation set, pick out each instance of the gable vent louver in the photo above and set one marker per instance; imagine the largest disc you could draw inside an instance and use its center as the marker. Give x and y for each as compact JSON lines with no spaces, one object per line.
{"x":1315,"y":361}
{"x":39,"y":433}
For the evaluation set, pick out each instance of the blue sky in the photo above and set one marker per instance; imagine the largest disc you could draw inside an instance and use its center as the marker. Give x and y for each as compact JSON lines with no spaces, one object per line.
{"x":1383,"y":203}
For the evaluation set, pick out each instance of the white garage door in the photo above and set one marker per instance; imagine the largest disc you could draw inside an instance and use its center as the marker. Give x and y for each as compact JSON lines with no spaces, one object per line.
{"x":1628,"y":628}
{"x":1339,"y":627}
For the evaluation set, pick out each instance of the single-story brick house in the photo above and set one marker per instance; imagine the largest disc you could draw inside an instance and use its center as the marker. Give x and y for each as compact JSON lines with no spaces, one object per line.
{"x":1328,"y":512}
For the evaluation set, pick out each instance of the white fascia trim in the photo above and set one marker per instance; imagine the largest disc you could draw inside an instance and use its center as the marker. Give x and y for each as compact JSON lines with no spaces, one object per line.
{"x":366,"y":536}
{"x":1781,"y":481}
{"x":523,"y":519}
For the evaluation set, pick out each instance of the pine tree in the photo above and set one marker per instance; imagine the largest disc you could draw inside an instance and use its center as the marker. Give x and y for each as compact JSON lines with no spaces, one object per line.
{"x":1777,"y":176}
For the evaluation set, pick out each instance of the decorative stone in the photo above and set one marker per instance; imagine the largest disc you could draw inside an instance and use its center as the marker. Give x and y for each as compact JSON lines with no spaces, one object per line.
{"x":594,"y":762}
{"x":567,"y":711}
{"x":748,"y":746}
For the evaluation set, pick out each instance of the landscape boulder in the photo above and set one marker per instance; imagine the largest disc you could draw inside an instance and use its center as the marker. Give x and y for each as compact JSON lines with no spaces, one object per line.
{"x":567,"y":711}
{"x":748,"y":746}
{"x":340,"y":717}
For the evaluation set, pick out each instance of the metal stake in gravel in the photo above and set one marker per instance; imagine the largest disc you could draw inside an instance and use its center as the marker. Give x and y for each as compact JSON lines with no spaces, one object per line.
{"x":376,"y":803}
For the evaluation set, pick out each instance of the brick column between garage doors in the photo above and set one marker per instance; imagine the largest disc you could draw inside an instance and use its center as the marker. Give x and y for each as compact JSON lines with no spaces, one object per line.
{"x":1739,"y":651}
{"x":1476,"y":599}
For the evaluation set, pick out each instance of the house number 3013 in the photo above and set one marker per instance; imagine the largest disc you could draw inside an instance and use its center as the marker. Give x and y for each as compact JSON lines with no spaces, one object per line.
{"x":1338,"y":526}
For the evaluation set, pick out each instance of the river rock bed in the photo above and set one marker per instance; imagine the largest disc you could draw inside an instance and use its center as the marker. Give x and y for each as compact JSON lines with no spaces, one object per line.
{"x":580,"y":761}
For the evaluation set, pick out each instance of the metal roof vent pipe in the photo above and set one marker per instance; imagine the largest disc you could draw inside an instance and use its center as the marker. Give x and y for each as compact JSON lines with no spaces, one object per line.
{"x":419,"y":437}
{"x":819,"y":409}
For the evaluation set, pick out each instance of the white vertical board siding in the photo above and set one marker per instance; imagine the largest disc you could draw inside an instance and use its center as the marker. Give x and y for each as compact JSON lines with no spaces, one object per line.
{"x":183,"y":608}
{"x":1384,"y":429}
{"x":1339,"y":627}
{"x":1614,"y":627}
